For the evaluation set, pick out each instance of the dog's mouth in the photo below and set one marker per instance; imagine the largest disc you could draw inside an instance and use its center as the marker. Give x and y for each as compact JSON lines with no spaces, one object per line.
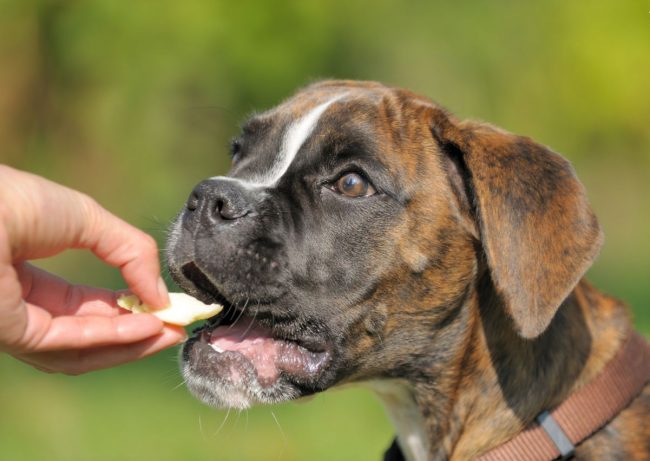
{"x":260,"y":349}
{"x":247,"y":345}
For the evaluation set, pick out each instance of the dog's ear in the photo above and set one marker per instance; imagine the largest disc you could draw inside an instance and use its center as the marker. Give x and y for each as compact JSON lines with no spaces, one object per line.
{"x":536,"y":227}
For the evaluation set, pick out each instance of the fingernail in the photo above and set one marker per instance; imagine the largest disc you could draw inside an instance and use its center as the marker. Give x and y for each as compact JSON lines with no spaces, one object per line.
{"x":162,"y":291}
{"x":181,"y":335}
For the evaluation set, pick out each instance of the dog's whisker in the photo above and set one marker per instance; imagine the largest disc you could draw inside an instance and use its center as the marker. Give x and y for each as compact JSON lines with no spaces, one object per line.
{"x":239,"y":316}
{"x":179,"y":385}
{"x":223,"y":423}
{"x":237,"y":418}
{"x":250,"y":325}
{"x":202,"y":432}
{"x":284,"y":436}
{"x":232,"y":307}
{"x":228,"y":311}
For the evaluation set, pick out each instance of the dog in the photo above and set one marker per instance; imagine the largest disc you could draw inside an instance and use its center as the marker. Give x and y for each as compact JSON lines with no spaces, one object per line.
{"x":366,"y":235}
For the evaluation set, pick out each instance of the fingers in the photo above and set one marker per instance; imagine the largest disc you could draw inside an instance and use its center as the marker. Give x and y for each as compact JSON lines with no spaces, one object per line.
{"x":57,"y":326}
{"x":75,"y":362}
{"x":82,"y":332}
{"x":79,"y":222}
{"x":122,"y":245}
{"x":59,"y":297}
{"x":44,"y":217}
{"x":55,"y":315}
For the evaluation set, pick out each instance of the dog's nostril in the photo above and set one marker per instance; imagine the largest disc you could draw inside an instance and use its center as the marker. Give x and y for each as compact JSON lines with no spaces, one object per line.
{"x":217,"y":200}
{"x":218,"y":207}
{"x":228,"y":211}
{"x":193,"y":202}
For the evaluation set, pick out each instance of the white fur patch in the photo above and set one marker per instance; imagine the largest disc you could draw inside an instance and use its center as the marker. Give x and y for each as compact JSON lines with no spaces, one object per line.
{"x":397,"y":397}
{"x":294,"y":138}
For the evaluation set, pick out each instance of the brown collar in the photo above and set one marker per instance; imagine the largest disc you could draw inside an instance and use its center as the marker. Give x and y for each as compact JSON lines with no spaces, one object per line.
{"x":555,"y":434}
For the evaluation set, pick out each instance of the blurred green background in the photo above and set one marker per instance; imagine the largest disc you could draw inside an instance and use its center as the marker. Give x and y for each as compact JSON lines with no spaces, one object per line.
{"x":135,"y":102}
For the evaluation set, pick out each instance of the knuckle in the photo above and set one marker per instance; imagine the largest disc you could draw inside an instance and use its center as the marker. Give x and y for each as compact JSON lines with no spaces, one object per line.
{"x":92,"y":206}
{"x":92,"y":217}
{"x":143,"y":247}
{"x":150,"y":244}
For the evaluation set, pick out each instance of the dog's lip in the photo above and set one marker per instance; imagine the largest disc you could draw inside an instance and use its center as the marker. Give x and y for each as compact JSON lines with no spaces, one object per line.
{"x":261,"y":349}
{"x":201,"y":287}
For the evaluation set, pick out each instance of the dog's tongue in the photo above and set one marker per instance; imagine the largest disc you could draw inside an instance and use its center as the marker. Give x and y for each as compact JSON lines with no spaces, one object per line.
{"x":254,"y":342}
{"x":268,"y":355}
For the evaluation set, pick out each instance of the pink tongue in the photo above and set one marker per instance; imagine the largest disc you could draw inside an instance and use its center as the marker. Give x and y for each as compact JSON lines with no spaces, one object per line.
{"x":254,"y":342}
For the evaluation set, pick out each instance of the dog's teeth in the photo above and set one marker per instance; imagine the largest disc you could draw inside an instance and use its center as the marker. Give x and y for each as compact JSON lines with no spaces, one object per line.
{"x":216,"y":348}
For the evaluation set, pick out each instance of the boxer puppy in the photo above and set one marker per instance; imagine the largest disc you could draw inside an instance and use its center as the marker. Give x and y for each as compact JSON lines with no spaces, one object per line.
{"x":365,"y":235}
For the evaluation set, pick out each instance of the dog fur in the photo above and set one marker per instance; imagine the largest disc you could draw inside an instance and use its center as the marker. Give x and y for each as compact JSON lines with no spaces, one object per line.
{"x":455,"y":292}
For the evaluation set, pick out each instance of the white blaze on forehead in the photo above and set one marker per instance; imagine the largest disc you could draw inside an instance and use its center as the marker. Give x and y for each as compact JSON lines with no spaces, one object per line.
{"x":295,"y":136}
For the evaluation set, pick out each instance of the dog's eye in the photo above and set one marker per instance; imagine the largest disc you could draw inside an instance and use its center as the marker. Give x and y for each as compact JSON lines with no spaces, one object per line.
{"x":353,"y":185}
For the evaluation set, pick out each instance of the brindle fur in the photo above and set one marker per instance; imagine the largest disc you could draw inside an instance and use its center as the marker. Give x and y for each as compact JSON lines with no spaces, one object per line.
{"x":477,"y":299}
{"x":476,"y":379}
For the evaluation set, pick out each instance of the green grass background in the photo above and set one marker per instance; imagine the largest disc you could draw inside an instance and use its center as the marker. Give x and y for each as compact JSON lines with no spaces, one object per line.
{"x":135,"y":102}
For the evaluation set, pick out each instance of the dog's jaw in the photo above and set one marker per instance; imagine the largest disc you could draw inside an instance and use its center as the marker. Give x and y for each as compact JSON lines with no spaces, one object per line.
{"x":245,"y":363}
{"x":232,"y":384}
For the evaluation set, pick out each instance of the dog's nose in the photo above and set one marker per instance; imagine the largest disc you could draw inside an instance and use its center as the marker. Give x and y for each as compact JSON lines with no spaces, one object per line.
{"x":219,"y":199}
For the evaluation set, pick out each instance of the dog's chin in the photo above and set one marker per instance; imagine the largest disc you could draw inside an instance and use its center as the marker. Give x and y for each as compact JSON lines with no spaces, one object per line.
{"x":239,"y":364}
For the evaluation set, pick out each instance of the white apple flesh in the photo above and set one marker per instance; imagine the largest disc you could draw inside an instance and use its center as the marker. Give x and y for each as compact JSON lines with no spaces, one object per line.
{"x":182,"y":311}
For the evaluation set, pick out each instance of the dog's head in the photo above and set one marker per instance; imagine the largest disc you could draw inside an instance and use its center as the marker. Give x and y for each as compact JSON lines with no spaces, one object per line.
{"x":353,"y":225}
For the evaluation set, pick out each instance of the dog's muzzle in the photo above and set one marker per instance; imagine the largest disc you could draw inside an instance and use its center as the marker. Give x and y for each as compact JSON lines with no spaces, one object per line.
{"x":258,"y":349}
{"x":217,"y":201}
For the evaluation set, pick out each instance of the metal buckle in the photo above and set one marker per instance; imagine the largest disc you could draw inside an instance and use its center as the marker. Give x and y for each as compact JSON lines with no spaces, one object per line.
{"x":556,"y":434}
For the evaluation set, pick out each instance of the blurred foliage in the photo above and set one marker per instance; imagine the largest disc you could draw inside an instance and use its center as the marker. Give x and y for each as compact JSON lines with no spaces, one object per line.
{"x":134,"y":103}
{"x":141,"y":412}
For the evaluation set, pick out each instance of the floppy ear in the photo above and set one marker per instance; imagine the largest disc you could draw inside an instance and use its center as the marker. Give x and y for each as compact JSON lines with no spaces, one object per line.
{"x":537,"y":229}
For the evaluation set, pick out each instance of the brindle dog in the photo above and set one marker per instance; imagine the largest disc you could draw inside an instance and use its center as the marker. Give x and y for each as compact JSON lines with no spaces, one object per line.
{"x":365,"y":235}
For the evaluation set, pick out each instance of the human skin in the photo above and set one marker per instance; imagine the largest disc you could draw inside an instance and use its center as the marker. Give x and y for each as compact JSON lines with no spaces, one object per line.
{"x":56,"y":326}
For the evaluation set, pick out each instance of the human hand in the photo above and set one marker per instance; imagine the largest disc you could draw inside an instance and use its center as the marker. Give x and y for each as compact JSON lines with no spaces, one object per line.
{"x":56,"y":326}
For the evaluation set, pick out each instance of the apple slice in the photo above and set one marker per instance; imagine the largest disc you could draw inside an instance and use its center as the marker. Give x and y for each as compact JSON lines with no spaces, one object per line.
{"x":182,"y":311}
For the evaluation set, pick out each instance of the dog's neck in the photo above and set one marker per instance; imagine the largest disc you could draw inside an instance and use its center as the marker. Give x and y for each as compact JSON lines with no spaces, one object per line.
{"x":499,"y":381}
{"x":398,"y":397}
